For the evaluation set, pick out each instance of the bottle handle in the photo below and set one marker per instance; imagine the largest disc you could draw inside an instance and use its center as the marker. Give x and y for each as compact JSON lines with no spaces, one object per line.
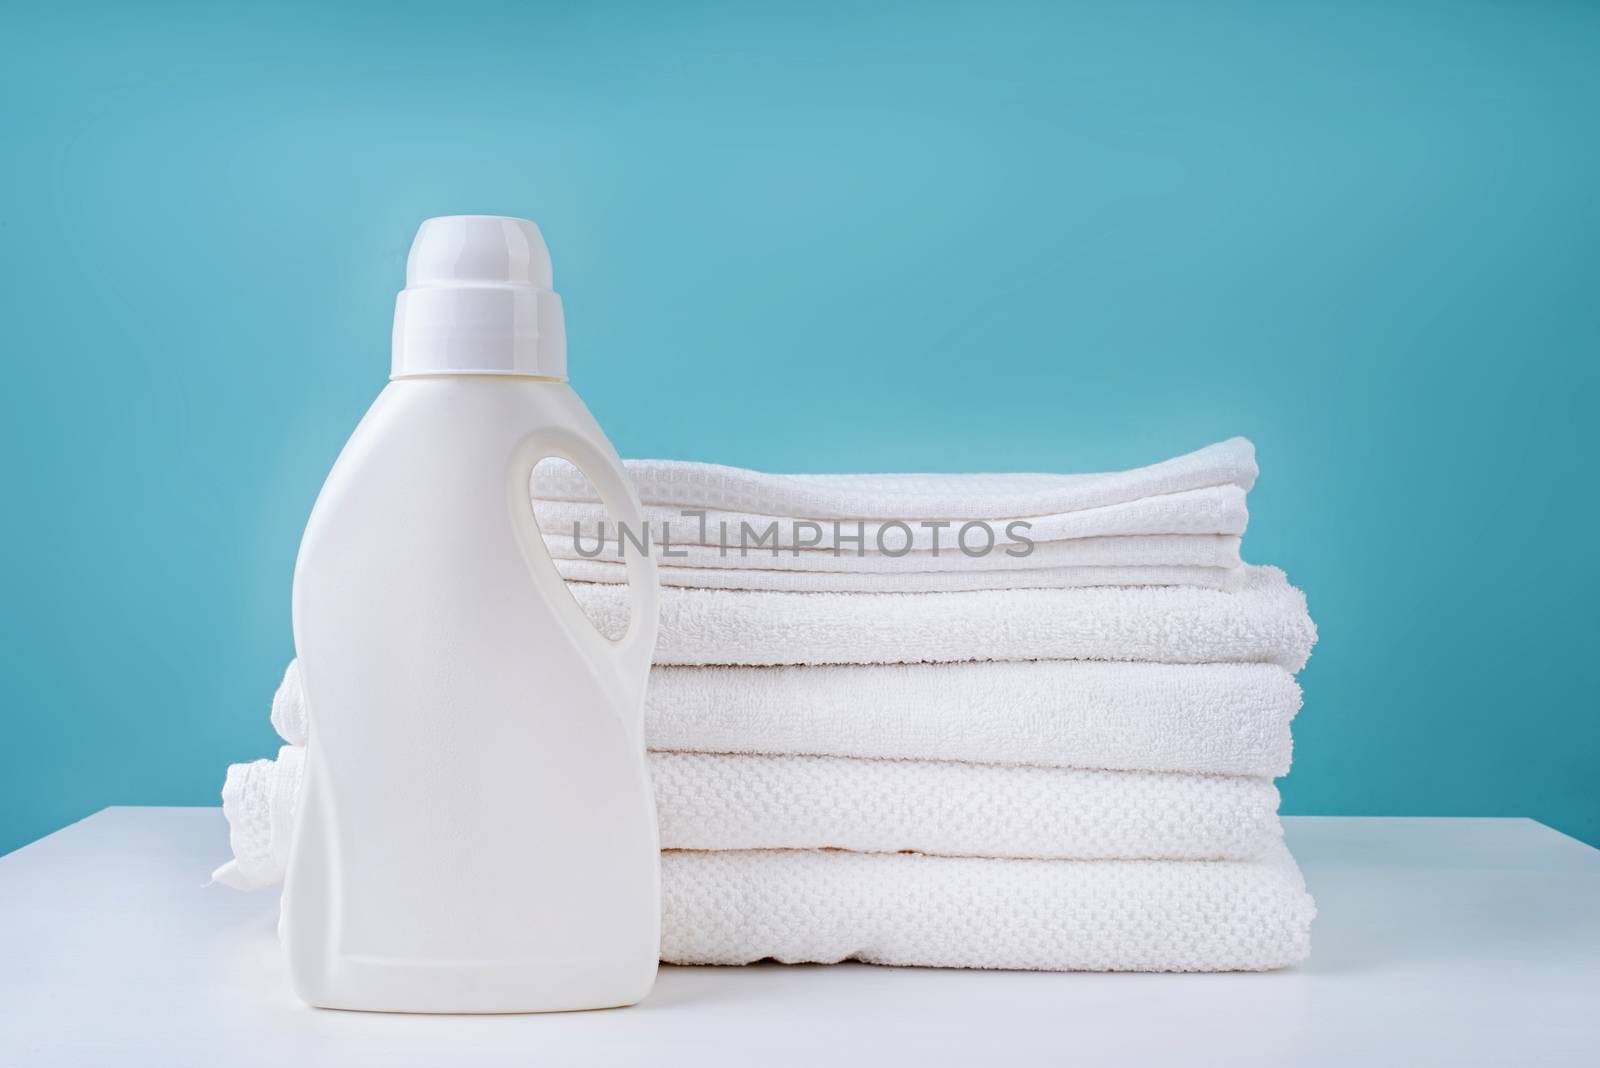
{"x":624,"y":660}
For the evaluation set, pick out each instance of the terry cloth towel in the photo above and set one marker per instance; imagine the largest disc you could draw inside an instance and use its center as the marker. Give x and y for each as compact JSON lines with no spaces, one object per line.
{"x":1210,"y":510}
{"x":1141,"y":550}
{"x":1176,"y":522}
{"x":1048,"y":915}
{"x":907,"y":497}
{"x":1223,"y":719}
{"x":1143,"y":560}
{"x":1264,"y":621}
{"x":1053,"y":578}
{"x":736,"y":906}
{"x":946,"y":808}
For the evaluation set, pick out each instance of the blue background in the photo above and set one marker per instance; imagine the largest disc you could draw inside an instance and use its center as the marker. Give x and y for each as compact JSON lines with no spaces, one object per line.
{"x":996,"y":236}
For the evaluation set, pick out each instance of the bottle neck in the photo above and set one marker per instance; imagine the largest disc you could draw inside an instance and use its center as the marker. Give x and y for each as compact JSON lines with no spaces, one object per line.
{"x":476,"y":376}
{"x":479,"y":329}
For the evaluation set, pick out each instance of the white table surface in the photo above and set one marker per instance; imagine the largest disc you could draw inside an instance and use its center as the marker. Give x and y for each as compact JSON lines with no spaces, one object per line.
{"x":1438,"y":941}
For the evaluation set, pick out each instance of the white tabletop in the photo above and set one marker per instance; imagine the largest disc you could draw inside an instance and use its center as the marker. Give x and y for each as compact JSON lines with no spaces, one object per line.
{"x":1459,"y":941}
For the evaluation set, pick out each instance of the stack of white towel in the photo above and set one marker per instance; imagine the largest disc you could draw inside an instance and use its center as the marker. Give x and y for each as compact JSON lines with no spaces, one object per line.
{"x":1057,"y":759}
{"x":1174,"y":523}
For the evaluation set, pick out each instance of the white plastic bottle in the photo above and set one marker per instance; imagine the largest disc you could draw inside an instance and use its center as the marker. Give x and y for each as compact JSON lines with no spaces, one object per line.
{"x":477,"y":832}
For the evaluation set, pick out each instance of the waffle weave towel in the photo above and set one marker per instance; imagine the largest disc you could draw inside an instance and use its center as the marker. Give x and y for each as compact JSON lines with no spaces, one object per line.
{"x":720,"y":802}
{"x":800,"y":905}
{"x":1046,"y":915}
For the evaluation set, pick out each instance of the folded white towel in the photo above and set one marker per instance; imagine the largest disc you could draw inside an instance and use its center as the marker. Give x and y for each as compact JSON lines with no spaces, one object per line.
{"x":259,"y":801}
{"x":950,"y":808}
{"x":1143,"y":560}
{"x":1226,"y":719}
{"x":679,"y":484}
{"x":290,"y":713}
{"x":947,"y":808}
{"x":1055,"y":578}
{"x":1139,"y":550}
{"x":1174,"y":523}
{"x":1264,"y":621}
{"x":1208,"y":510}
{"x":1135,"y":550}
{"x":735,"y":906}
{"x":1050,"y":915}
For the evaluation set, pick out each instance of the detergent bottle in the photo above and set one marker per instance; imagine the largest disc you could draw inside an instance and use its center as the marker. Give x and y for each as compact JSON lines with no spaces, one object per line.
{"x":477,"y":831}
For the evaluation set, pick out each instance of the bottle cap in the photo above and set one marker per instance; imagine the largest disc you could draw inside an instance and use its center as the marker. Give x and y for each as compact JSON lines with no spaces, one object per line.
{"x":478,"y":301}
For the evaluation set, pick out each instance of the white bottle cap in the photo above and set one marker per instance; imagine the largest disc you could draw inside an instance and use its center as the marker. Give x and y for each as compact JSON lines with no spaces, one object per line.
{"x":478,"y":301}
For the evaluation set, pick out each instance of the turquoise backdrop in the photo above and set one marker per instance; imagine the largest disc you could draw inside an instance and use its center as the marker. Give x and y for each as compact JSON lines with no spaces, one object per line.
{"x":857,"y":237}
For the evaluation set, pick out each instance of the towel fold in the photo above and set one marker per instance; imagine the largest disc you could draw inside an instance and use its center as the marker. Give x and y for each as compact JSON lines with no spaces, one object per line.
{"x":679,"y":484}
{"x":1174,"y":523}
{"x":1208,"y":510}
{"x":1264,"y":621}
{"x":1141,"y":550}
{"x":1051,"y":578}
{"x":946,"y":808}
{"x":1224,"y":719}
{"x":1048,"y":915}
{"x":1210,"y":560}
